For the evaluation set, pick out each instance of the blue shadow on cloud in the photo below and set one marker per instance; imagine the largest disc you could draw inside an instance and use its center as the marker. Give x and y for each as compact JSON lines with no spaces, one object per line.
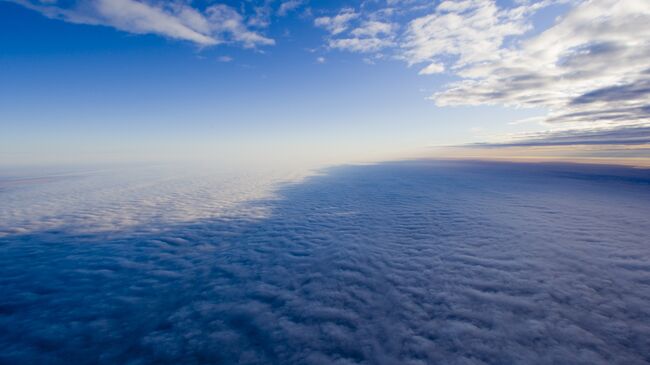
{"x":414,"y":262}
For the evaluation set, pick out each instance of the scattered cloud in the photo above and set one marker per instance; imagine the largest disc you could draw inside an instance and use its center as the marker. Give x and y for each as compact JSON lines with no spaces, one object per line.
{"x":225,"y":59}
{"x":320,"y":59}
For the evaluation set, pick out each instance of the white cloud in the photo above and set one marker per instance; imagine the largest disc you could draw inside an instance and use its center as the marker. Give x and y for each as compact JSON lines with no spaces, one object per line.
{"x":361,"y":45}
{"x":226,"y":20}
{"x":216,"y":24}
{"x":288,"y":6}
{"x":336,"y":24}
{"x":473,"y":31}
{"x":373,"y":28}
{"x":320,"y":59}
{"x":592,"y":66}
{"x":370,"y":36}
{"x":433,"y":68}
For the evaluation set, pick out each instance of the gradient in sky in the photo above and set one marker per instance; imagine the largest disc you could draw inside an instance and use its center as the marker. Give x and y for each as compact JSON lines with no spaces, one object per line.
{"x":125,"y":80}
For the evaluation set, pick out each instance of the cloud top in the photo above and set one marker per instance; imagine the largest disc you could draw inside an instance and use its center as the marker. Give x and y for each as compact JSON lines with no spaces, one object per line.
{"x":398,"y":263}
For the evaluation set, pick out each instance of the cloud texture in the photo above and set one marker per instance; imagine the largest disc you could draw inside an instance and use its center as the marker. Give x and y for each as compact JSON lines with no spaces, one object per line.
{"x":590,"y":67}
{"x":398,"y":263}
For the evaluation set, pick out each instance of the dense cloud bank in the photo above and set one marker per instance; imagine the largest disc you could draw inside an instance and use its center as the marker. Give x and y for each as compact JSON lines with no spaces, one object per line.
{"x":397,"y":263}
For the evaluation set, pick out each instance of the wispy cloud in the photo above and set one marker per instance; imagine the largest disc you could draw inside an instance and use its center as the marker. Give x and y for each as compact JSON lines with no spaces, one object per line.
{"x":367,"y":37}
{"x":212,"y":25}
{"x":288,"y":6}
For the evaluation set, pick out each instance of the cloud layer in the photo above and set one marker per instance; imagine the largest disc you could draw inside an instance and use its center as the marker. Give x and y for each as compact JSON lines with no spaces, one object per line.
{"x":400,"y":263}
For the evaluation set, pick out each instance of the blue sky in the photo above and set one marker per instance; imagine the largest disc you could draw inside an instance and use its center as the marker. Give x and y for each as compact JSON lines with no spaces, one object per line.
{"x":126,"y":80}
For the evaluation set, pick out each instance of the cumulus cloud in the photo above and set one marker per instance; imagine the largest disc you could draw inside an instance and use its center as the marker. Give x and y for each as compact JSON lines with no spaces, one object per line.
{"x":434,"y":262}
{"x":212,"y":25}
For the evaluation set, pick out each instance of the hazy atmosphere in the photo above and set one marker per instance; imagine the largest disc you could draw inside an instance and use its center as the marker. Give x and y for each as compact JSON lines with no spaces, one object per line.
{"x":324,"y":182}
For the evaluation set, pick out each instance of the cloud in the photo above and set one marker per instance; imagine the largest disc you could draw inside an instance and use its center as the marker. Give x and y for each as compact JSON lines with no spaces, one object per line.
{"x":226,"y":20}
{"x":432,"y":68}
{"x":362,"y":45}
{"x":430,"y":263}
{"x":369,"y":37}
{"x":336,"y":24}
{"x":213,"y":25}
{"x":472,"y":30}
{"x":288,"y":6}
{"x":628,"y":136}
{"x":591,"y":67}
{"x":373,"y":28}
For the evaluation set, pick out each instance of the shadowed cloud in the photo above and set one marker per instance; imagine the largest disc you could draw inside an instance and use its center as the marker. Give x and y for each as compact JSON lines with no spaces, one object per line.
{"x":411,"y":263}
{"x":626,"y":136}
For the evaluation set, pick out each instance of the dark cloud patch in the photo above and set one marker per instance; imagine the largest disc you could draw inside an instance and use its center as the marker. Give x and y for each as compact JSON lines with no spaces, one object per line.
{"x":632,"y":136}
{"x":398,"y":263}
{"x":635,"y":91}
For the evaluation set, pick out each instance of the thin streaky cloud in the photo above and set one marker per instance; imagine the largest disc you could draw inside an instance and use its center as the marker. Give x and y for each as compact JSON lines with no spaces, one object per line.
{"x":210,"y":26}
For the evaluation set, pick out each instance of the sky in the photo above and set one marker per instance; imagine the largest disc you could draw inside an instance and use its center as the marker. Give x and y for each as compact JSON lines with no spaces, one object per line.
{"x":270,"y":81}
